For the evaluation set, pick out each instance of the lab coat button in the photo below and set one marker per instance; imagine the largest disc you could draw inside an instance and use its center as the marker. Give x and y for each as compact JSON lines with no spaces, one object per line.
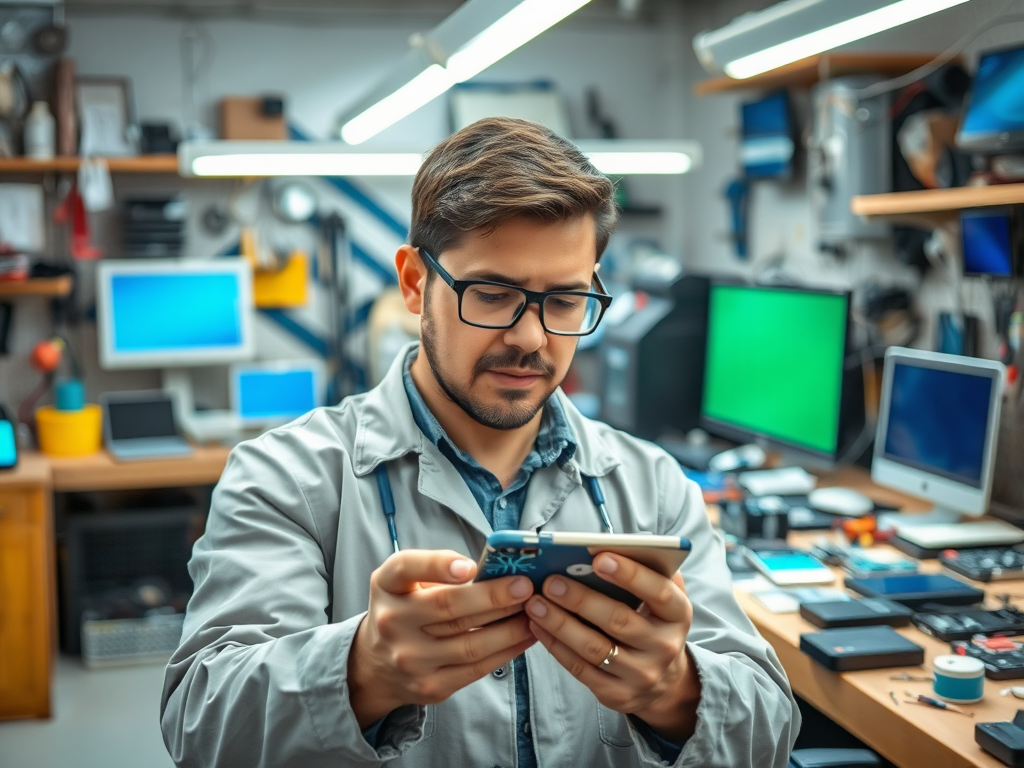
{"x":500,"y":672}
{"x":502,"y":503}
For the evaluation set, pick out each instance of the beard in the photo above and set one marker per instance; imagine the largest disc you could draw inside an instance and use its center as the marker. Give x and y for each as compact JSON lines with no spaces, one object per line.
{"x":514,"y":409}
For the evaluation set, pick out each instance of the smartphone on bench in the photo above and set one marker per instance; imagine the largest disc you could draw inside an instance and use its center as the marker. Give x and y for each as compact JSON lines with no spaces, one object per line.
{"x":539,"y":555}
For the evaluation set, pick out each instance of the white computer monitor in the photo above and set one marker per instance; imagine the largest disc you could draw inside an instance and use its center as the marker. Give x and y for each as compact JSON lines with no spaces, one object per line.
{"x":268,"y":393}
{"x":938,"y":424}
{"x":166,"y":313}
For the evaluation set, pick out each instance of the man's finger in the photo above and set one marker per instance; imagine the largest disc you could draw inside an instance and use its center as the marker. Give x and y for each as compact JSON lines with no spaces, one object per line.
{"x":467,"y":623}
{"x":471,"y":647}
{"x":458,"y":676}
{"x":404,"y":571}
{"x":611,"y":616}
{"x":444,"y":603}
{"x":663,"y":597}
{"x":596,"y":680}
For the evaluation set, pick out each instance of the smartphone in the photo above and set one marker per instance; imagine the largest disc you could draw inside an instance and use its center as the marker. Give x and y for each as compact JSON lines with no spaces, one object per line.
{"x":8,"y":441}
{"x":918,"y":589}
{"x":790,"y":567}
{"x":539,"y":555}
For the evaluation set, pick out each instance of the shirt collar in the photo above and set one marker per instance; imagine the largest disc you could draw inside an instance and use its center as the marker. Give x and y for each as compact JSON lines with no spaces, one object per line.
{"x":556,"y":441}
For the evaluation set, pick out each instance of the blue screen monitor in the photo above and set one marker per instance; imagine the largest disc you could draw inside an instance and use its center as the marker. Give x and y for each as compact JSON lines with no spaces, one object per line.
{"x":938,"y":427}
{"x":766,"y":145}
{"x":264,"y":394}
{"x":994,"y":121}
{"x":987,"y":239}
{"x":169,"y":313}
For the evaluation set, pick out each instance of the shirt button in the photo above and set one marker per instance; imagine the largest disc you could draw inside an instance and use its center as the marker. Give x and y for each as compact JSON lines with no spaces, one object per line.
{"x":500,"y":672}
{"x":502,"y":503}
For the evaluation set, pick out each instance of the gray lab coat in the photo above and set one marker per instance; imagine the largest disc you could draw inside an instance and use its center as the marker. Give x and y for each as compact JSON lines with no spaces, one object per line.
{"x":282,"y":580}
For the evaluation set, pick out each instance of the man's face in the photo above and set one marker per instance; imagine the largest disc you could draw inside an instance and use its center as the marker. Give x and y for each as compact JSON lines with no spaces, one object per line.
{"x":503,"y":377}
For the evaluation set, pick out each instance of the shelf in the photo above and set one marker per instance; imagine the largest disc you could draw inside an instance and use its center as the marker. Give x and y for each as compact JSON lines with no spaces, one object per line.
{"x":37,"y":286}
{"x":139,"y":164}
{"x":807,"y":72}
{"x":934,"y":206}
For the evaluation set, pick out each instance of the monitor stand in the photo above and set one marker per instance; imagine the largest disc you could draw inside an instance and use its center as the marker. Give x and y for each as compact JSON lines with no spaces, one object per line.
{"x":937,"y":515}
{"x":202,"y":426}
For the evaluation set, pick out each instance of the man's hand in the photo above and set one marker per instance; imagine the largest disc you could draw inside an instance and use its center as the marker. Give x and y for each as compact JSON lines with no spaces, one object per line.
{"x":652,"y":676}
{"x":429,"y":633}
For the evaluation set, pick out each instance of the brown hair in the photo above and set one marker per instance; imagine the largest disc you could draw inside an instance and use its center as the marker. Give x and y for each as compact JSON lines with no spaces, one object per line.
{"x":501,"y":168}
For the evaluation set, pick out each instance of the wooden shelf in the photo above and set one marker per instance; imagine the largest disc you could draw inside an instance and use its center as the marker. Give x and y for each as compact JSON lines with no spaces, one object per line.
{"x":935,"y":206}
{"x":37,"y":286}
{"x":139,"y":164}
{"x":807,"y":72}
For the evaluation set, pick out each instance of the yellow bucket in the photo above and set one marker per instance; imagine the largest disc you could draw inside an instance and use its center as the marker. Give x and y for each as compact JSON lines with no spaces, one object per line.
{"x":70,"y":433}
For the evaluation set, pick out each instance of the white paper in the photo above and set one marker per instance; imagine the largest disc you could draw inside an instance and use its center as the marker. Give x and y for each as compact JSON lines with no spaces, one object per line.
{"x":21,"y":217}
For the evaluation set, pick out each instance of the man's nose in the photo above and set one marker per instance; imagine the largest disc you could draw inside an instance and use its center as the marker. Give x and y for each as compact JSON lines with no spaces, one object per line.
{"x":527,"y":334}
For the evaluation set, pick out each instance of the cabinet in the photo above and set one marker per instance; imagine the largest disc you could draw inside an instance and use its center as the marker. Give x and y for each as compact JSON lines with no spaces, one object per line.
{"x":26,"y":591}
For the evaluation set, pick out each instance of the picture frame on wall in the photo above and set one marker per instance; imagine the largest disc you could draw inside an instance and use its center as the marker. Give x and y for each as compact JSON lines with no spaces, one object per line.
{"x":105,"y":116}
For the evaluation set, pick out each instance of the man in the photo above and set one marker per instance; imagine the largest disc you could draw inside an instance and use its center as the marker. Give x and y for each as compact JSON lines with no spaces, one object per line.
{"x":308,"y":642}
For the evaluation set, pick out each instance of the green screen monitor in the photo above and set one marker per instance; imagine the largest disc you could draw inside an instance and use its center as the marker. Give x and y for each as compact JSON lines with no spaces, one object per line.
{"x":774,"y":366}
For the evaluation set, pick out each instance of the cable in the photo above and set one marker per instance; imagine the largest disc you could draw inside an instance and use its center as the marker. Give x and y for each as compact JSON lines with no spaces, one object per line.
{"x":943,"y":58}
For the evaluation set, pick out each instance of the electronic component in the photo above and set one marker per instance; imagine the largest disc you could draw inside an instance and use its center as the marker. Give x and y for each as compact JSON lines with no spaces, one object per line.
{"x":856,"y":613}
{"x":1004,"y":664}
{"x":917,"y":589}
{"x":963,"y":625}
{"x":985,"y":564}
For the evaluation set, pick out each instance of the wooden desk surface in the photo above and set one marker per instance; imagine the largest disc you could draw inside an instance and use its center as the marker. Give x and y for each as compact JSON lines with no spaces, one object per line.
{"x":32,"y":470}
{"x":101,"y":472}
{"x":909,"y":735}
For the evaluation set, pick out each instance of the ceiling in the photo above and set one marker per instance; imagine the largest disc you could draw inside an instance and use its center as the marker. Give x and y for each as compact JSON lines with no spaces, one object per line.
{"x":340,"y":11}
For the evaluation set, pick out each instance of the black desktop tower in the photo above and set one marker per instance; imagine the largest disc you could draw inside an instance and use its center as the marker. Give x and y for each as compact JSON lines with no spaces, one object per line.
{"x":653,"y":362}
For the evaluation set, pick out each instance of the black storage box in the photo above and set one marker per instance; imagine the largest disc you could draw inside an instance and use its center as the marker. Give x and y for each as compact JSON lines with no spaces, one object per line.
{"x":851,"y":648}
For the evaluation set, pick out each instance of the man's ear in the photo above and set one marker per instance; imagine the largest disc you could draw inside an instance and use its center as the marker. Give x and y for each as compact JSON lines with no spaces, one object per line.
{"x":412,"y":278}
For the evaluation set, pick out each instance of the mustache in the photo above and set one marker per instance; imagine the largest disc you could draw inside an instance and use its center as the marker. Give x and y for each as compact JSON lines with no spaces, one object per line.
{"x":511,"y":358}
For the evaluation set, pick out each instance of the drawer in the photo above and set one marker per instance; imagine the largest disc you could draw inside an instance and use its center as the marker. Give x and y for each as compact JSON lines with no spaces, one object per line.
{"x":15,"y":508}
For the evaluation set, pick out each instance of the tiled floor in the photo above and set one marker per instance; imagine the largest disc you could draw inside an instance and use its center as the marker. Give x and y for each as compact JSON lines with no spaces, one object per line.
{"x":102,"y":718}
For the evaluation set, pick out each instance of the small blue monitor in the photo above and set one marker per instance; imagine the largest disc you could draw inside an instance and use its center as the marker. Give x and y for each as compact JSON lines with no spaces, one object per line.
{"x":275,"y":393}
{"x":987,"y":243}
{"x":938,"y":422}
{"x":165,"y":313}
{"x":995,"y":119}
{"x":767,"y":146}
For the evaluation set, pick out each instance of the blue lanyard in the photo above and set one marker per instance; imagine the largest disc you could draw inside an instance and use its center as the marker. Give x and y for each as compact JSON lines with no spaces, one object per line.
{"x":387,"y":501}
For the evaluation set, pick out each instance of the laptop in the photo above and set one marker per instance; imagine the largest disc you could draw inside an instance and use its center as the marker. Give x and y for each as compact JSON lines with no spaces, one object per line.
{"x":141,"y":425}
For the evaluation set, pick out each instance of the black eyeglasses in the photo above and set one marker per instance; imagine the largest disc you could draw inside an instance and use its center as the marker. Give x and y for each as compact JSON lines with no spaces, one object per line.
{"x":486,"y":304}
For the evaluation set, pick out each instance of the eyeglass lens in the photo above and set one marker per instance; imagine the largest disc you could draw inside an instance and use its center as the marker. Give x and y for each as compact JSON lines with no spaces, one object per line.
{"x":496,"y":307}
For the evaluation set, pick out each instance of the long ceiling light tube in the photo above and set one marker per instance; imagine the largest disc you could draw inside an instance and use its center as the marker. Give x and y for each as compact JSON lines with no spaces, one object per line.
{"x":471,"y":39}
{"x":796,"y":29}
{"x":333,"y":158}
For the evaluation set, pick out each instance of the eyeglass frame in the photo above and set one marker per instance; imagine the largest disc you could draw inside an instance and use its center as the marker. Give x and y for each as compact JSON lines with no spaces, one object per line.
{"x":532,"y":297}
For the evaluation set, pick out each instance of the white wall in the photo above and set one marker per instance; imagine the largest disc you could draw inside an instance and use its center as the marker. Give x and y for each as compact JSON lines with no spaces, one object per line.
{"x":637,"y":67}
{"x":781,"y":219}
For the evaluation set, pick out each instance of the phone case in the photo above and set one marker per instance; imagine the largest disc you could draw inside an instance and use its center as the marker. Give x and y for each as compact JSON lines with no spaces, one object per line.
{"x":539,"y":555}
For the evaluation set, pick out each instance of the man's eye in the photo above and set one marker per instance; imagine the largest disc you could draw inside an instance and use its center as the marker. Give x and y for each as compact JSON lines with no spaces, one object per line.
{"x":491,"y":297}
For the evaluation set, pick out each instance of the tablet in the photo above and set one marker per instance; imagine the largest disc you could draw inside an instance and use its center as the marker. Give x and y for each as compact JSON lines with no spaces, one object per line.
{"x":916,"y":589}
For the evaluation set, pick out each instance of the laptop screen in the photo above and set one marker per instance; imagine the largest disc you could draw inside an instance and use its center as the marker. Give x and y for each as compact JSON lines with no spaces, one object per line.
{"x":135,"y":419}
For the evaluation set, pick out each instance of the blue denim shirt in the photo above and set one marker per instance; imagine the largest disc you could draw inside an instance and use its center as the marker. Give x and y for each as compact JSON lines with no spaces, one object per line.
{"x":503,"y":507}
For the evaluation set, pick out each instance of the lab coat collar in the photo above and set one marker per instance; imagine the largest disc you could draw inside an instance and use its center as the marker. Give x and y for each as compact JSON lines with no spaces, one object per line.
{"x":387,"y":431}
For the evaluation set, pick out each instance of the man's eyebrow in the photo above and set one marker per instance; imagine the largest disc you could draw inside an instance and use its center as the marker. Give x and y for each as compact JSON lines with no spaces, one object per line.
{"x":519,"y":282}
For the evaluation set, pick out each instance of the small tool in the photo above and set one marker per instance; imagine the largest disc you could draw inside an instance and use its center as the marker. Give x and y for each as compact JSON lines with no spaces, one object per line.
{"x":911,"y":678}
{"x":928,"y":701}
{"x":892,"y":694}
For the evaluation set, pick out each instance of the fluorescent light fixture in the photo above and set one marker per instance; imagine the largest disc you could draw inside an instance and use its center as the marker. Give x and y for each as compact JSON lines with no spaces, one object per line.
{"x":629,"y":158}
{"x":475,"y":36}
{"x":795,"y":29}
{"x":333,"y":158}
{"x":290,"y":158}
